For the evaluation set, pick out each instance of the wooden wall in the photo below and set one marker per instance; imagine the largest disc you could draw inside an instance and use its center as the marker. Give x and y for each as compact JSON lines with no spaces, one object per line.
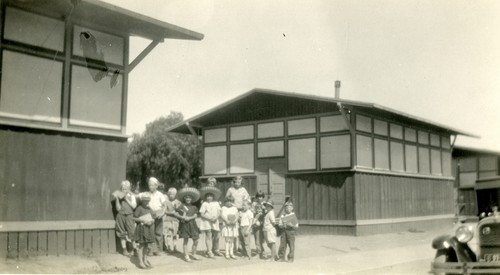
{"x":328,"y":196}
{"x":467,"y":202}
{"x":51,"y":176}
{"x":387,"y":196}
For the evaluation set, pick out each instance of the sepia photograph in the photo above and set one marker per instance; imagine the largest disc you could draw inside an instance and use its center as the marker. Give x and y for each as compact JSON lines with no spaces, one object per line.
{"x":249,"y":137}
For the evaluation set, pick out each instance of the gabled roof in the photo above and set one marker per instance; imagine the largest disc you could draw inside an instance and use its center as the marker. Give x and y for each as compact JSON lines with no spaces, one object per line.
{"x":108,"y":16}
{"x":261,"y":104}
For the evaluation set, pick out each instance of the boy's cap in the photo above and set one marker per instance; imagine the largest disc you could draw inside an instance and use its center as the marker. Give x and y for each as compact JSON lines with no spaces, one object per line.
{"x":288,"y":203}
{"x":268,"y":203}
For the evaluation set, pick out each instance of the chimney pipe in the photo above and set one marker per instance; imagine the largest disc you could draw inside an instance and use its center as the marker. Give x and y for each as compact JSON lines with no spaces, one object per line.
{"x":337,"y":89}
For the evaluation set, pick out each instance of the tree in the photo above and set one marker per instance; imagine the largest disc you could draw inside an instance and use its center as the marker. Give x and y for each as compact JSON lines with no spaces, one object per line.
{"x":174,"y":159}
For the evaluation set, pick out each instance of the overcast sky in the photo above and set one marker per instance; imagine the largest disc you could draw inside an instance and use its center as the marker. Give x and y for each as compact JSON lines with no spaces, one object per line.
{"x":438,"y":60}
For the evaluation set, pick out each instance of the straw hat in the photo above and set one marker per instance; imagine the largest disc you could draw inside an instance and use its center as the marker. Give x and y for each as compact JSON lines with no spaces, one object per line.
{"x":188,"y":191}
{"x":210,"y":190}
{"x":268,"y":203}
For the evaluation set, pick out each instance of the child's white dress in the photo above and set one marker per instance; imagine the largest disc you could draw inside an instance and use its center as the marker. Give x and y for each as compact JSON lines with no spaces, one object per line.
{"x":230,"y":213}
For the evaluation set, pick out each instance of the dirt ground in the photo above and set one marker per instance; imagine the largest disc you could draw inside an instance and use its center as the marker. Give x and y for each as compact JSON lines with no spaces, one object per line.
{"x":407,"y":252}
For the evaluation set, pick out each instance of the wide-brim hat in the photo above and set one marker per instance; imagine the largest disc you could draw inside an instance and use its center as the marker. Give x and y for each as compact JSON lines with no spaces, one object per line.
{"x":210,"y":190}
{"x":188,"y":191}
{"x":268,"y":203}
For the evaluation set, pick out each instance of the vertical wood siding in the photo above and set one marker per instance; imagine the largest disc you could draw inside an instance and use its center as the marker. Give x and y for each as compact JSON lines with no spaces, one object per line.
{"x":467,"y":202}
{"x":53,"y":176}
{"x":322,"y":196}
{"x":387,"y":196}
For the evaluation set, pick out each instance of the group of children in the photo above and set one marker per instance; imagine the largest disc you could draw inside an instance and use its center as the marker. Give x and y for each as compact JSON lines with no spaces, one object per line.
{"x":156,"y":220}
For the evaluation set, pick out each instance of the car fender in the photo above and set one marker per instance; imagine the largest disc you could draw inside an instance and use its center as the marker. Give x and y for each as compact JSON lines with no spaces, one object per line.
{"x":450,"y":243}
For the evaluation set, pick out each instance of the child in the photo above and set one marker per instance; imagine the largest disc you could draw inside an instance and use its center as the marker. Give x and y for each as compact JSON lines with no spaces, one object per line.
{"x":229,"y":215}
{"x":215,"y":234}
{"x":125,"y":203}
{"x":258,"y":223}
{"x":157,"y":205}
{"x":170,"y":222}
{"x":187,"y":214}
{"x":288,"y":222}
{"x":269,"y":230}
{"x":210,"y":211}
{"x":246,"y":220}
{"x":144,"y":231}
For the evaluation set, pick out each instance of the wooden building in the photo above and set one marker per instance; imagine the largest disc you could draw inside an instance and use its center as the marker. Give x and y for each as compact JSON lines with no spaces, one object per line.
{"x":476,"y":172}
{"x":350,"y":167}
{"x":63,"y":102}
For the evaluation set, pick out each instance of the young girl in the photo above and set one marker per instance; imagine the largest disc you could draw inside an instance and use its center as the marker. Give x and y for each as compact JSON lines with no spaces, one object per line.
{"x":229,"y":215}
{"x":144,"y":231}
{"x":170,"y":222}
{"x":246,"y":221}
{"x":125,"y":203}
{"x":269,"y":230}
{"x":187,"y":214}
{"x":210,"y":211}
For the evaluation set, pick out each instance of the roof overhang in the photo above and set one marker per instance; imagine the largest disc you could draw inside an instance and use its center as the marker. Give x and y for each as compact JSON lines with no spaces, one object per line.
{"x":262,"y":104}
{"x":108,"y":16}
{"x":471,"y":151}
{"x":488,"y":183}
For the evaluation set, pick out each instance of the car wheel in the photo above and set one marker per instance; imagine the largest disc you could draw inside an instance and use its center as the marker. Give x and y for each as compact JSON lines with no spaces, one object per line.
{"x":443,"y":256}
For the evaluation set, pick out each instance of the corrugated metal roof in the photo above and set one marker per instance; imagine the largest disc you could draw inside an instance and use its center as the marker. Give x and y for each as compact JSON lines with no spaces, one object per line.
{"x":195,"y":121}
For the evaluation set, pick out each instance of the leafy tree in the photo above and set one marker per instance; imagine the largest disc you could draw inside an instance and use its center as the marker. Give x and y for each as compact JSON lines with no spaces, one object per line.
{"x":174,"y":159}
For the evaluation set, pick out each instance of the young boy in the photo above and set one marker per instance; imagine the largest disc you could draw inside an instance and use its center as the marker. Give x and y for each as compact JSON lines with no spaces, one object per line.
{"x":269,"y":230}
{"x":288,"y":222}
{"x":212,"y":182}
{"x":170,"y":222}
{"x":246,"y":220}
{"x":259,"y":212}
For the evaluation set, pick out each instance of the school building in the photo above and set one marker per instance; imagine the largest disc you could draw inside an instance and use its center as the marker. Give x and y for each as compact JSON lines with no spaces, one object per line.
{"x":349,"y":167}
{"x":477,"y":178}
{"x":63,"y":104}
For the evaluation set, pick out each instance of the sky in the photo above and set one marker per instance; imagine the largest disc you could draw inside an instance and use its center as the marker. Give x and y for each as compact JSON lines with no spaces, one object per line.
{"x":439,"y":60}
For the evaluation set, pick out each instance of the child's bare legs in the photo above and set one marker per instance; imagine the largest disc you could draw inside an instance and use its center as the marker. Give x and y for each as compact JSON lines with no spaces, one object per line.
{"x":123,"y":242}
{"x":208,"y":242}
{"x":185,"y":248}
{"x":147,"y":249}
{"x":194,"y":248}
{"x":229,"y":247}
{"x":272,"y":247}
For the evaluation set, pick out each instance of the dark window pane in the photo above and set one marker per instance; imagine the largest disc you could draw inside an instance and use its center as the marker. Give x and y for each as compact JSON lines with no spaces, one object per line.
{"x":467,"y":179}
{"x":332,"y":123}
{"x":271,"y":149}
{"x":34,"y":29}
{"x":411,"y":158}
{"x":445,"y":142}
{"x":335,"y":151}
{"x":396,"y":131}
{"x":302,"y":126}
{"x":487,"y":174}
{"x":302,"y":154}
{"x":410,"y":135}
{"x":397,"y":156}
{"x":380,"y":127}
{"x":242,"y":158}
{"x":381,"y":154}
{"x":435,"y":140}
{"x":272,"y":129}
{"x":363,"y":123}
{"x":364,"y":151}
{"x":423,"y":137}
{"x":31,"y":88}
{"x":436,"y":162}
{"x":487,"y":163}
{"x":94,"y":104}
{"x":215,"y":160}
{"x":108,"y":48}
{"x":215,"y":135}
{"x":423,"y":161}
{"x":446,"y":157}
{"x":241,"y":132}
{"x":468,"y":164}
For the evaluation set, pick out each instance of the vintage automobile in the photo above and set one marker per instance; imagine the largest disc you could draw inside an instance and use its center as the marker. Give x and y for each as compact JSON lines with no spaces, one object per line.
{"x":475,"y":246}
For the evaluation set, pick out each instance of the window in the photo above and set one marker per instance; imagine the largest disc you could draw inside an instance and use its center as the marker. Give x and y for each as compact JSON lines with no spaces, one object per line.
{"x":396,"y":131}
{"x":423,"y":160}
{"x":468,"y":164}
{"x":33,"y":29}
{"x":335,"y":151}
{"x":302,"y":154}
{"x":435,"y":140}
{"x":397,"y":157}
{"x":271,"y":149}
{"x":467,"y":179}
{"x":380,"y":127}
{"x":215,"y":160}
{"x":446,"y":159}
{"x":363,"y":123}
{"x":332,"y":123}
{"x":411,"y":158}
{"x":94,"y":104}
{"x":445,"y":142}
{"x":31,"y":87}
{"x":269,"y":130}
{"x":364,"y":151}
{"x":215,"y":135}
{"x":302,"y":126}
{"x":410,"y":134}
{"x":436,"y":162}
{"x":381,"y":154}
{"x":108,"y":48}
{"x":423,"y":137}
{"x":242,"y":158}
{"x":241,"y":132}
{"x":487,"y":166}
